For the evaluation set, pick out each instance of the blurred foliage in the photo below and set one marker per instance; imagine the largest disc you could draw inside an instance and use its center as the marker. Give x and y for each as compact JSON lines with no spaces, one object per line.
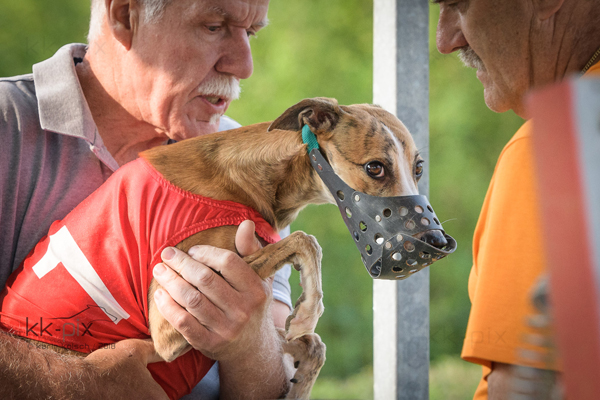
{"x":32,"y":30}
{"x":451,"y":378}
{"x":324,"y":48}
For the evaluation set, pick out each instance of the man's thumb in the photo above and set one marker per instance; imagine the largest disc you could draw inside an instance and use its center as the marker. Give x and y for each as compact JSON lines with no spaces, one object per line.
{"x":246,"y":241}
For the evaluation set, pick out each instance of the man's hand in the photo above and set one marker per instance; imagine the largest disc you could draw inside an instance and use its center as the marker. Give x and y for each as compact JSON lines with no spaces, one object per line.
{"x":27,"y":372}
{"x":541,"y":383}
{"x":220,"y":303}
{"x":221,"y":306}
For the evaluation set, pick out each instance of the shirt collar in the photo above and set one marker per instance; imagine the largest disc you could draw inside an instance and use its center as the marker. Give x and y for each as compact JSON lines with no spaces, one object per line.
{"x":594,"y":69}
{"x":62,"y":105}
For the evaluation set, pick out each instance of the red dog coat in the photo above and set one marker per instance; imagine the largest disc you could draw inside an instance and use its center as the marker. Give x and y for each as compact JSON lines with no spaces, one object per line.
{"x":85,"y":285}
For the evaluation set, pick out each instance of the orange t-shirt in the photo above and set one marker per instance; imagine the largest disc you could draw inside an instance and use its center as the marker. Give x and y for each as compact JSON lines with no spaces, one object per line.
{"x":507,"y":261}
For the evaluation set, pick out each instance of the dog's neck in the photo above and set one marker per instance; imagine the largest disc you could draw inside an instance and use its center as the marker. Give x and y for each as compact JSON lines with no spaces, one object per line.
{"x":268,"y":171}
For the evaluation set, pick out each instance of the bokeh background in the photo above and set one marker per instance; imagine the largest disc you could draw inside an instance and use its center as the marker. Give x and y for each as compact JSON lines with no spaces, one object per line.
{"x":324,"y":48}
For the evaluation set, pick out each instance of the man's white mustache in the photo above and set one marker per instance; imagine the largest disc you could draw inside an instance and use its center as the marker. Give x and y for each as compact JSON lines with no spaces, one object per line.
{"x":470,"y":59}
{"x":226,"y":87}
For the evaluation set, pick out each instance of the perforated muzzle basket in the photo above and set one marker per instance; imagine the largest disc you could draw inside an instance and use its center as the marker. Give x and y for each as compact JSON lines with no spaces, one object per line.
{"x":383,"y":227}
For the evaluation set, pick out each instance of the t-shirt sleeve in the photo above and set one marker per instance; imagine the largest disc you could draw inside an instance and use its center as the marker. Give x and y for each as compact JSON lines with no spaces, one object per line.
{"x":508,"y":261}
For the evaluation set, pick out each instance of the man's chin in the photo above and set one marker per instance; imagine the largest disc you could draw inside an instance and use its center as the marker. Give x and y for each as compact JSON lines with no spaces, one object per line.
{"x":197,"y":128}
{"x":495,"y":102}
{"x":207,"y":127}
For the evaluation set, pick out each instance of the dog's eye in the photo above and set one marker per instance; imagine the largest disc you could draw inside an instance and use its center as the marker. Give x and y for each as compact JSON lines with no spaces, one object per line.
{"x":375,"y":169}
{"x":419,"y":169}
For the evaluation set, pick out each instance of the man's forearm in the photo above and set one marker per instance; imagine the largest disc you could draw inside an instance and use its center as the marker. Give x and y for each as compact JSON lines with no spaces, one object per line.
{"x":27,"y":372}
{"x":258,"y":374}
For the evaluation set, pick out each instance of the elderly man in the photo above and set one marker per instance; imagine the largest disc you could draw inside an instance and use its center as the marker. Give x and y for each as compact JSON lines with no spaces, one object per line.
{"x":154,"y":71}
{"x":516,"y":46}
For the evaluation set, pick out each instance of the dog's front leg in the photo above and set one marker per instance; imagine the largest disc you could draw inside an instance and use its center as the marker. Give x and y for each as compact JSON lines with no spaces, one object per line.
{"x":304,"y":253}
{"x":168,"y":342}
{"x":301,"y":342}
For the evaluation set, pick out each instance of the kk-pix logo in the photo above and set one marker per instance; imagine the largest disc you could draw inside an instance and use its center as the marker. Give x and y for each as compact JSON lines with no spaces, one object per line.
{"x":74,"y":325}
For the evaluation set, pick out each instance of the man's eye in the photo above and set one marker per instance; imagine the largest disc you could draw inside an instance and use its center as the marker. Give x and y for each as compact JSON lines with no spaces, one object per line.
{"x":419,"y":169}
{"x":375,"y":169}
{"x":213,"y":28}
{"x":251,"y":32}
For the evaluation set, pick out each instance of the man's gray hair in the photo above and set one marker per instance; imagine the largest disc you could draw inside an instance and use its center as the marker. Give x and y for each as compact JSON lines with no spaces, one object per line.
{"x":152,"y":11}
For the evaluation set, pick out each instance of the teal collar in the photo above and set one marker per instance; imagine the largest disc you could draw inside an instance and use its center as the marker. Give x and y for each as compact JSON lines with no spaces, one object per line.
{"x":309,"y":138}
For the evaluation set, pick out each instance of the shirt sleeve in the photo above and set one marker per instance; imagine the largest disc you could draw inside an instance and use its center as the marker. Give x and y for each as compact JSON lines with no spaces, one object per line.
{"x":227,"y":123}
{"x":281,"y":285}
{"x":507,"y":261}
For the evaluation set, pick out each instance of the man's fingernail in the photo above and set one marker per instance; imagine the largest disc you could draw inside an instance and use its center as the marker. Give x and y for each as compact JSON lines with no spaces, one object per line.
{"x":168,"y":254}
{"x":193,"y":250}
{"x":159,"y":269}
{"x":158,"y":294}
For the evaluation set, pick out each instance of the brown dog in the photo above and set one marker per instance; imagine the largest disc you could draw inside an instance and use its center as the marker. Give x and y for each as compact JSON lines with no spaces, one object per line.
{"x":266,"y":167}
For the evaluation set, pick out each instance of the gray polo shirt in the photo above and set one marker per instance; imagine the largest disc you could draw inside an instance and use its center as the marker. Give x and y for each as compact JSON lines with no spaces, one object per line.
{"x":53,"y":157}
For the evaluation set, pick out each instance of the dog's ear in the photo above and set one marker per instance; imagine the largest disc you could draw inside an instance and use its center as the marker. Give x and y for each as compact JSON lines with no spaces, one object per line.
{"x":320,"y":114}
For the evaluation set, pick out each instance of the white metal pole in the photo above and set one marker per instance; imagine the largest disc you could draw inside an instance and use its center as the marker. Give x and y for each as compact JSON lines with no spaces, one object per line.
{"x":401,"y":308}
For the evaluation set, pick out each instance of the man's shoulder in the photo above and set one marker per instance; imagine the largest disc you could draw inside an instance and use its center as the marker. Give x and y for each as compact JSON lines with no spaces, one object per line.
{"x":19,"y":115}
{"x":18,"y":78}
{"x":17,"y":94}
{"x":518,"y":145}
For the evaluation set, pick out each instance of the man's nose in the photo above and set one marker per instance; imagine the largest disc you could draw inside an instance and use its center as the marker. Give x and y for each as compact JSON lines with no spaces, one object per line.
{"x":237,"y":55}
{"x":449,"y":35}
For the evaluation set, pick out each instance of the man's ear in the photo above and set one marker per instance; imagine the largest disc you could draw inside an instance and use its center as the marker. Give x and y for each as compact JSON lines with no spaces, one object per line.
{"x":547,"y":8}
{"x":321,"y":114}
{"x":122,"y":17}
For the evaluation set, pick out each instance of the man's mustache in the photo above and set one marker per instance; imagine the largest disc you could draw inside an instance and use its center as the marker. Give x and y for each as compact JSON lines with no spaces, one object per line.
{"x":226,"y":87}
{"x":470,"y":59}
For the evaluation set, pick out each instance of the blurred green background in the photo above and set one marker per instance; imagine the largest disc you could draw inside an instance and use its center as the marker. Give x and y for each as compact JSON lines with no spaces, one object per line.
{"x":324,"y":48}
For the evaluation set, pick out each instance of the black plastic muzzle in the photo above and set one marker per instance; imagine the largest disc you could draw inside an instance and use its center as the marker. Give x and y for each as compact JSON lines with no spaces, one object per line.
{"x":383,"y":228}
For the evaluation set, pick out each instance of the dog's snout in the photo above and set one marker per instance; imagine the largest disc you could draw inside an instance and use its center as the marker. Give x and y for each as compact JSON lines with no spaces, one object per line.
{"x":434,"y":238}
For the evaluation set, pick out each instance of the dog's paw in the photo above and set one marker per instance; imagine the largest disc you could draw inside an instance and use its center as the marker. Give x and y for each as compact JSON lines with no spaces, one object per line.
{"x":308,"y":352}
{"x":170,"y":352}
{"x":169,"y":343}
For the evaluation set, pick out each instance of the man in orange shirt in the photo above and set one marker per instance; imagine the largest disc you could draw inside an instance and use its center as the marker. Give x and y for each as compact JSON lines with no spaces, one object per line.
{"x":516,"y":46}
